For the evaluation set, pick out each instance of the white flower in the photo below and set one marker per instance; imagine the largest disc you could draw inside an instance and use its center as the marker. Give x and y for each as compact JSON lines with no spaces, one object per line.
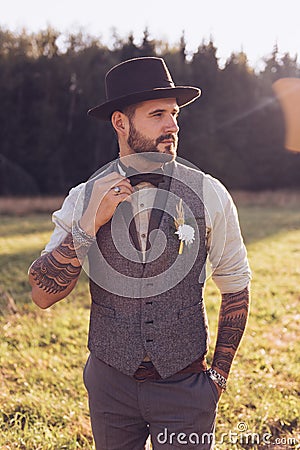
{"x":186,"y":233}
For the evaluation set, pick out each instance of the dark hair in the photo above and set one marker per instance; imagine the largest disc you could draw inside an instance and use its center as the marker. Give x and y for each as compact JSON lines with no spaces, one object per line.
{"x":129,"y":111}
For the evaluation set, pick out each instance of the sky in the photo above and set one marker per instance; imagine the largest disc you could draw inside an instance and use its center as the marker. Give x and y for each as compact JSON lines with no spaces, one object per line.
{"x":252,"y":26}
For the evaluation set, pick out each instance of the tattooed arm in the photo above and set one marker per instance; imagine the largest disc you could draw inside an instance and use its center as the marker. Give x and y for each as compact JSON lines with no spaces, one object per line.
{"x":232,"y":322}
{"x":54,"y":274}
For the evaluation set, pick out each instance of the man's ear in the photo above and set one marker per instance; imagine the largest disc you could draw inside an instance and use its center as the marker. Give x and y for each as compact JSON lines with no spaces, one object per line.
{"x":120,"y":122}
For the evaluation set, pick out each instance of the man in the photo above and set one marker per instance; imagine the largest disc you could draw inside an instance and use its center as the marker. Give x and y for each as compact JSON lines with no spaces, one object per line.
{"x":147,"y":224}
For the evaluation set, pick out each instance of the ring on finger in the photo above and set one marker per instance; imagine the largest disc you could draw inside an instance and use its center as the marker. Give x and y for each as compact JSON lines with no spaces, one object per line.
{"x":117,"y":190}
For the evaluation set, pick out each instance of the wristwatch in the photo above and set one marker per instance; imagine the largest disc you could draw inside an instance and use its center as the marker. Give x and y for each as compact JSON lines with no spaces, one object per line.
{"x":217,"y":378}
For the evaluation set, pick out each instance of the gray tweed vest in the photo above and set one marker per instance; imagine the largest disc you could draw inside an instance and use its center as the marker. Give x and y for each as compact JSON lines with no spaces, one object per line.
{"x":154,"y":308}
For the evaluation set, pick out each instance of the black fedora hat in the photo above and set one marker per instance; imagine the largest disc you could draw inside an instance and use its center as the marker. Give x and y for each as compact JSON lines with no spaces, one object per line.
{"x":137,"y":80}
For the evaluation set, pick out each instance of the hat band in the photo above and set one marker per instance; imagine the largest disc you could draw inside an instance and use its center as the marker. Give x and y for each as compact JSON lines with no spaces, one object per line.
{"x":113,"y":94}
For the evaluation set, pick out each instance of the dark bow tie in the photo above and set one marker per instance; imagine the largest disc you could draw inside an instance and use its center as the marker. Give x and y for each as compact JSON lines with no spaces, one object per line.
{"x":153,"y":178}
{"x":136,"y":177}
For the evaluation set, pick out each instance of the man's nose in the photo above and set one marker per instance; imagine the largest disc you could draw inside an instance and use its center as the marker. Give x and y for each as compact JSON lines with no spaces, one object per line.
{"x":171,"y":125}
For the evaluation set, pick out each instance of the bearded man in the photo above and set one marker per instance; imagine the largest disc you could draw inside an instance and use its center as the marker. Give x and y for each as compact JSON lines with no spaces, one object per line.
{"x":147,"y":224}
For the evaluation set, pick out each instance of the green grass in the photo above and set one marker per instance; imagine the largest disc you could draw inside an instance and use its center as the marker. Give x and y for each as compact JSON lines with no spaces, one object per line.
{"x":42,"y":353}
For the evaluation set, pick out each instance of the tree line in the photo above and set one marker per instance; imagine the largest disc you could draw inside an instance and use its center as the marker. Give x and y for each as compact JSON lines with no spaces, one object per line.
{"x":48,"y":81}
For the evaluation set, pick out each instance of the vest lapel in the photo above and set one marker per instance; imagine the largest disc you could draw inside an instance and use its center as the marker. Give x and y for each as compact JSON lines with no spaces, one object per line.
{"x":160,"y":201}
{"x":125,"y":209}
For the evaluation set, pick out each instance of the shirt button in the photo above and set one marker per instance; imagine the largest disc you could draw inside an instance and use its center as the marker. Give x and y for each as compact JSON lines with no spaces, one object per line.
{"x":143,"y":235}
{"x":142,"y":205}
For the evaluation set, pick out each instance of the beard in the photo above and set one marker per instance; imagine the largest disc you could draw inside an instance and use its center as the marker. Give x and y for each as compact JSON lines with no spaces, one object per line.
{"x":141,"y":144}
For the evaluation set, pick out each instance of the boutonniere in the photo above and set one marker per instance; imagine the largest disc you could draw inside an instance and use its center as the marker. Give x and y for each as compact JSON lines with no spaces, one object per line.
{"x":186,"y":233}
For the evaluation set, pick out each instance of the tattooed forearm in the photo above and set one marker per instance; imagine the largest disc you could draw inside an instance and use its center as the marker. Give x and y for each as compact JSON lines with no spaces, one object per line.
{"x":221,"y":361}
{"x":53,"y":276}
{"x":232,"y":323}
{"x":55,"y":271}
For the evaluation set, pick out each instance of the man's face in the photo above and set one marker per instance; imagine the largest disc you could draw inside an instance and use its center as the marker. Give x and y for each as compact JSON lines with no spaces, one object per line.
{"x":154,"y":127}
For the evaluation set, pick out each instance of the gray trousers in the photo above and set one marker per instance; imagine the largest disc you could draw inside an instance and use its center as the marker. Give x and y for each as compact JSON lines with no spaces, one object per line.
{"x":178,"y":412}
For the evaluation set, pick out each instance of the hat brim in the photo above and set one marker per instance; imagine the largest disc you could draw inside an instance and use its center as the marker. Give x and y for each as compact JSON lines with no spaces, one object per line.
{"x":183,"y":94}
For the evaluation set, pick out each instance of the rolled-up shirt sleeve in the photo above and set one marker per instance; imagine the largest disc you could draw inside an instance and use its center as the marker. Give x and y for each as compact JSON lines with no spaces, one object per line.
{"x":226,"y":249}
{"x":63,"y":217}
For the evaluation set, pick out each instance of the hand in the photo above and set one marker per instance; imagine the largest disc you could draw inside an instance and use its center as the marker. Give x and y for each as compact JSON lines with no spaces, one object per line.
{"x":104,"y":201}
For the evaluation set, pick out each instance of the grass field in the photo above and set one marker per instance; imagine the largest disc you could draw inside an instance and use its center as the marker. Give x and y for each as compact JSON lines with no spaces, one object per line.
{"x":42,"y":353}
